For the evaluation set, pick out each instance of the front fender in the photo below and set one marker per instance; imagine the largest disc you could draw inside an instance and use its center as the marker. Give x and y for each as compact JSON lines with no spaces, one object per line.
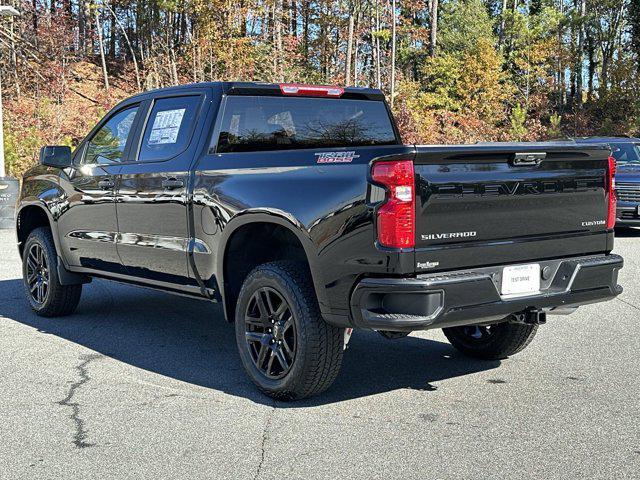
{"x":42,"y":191}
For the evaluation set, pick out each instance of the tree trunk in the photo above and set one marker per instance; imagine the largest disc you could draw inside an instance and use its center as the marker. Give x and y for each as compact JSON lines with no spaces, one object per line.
{"x":503,"y":24}
{"x":112,"y":34}
{"x":377,"y":49}
{"x":560,"y":67}
{"x":101,"y":46}
{"x":286,"y":16}
{"x":393,"y":50}
{"x":294,"y":18}
{"x":243,"y":16}
{"x":305,"y":30}
{"x":591,"y":56}
{"x":14,"y":60}
{"x":433,"y":38}
{"x":88,"y":44}
{"x":266,"y":24}
{"x":580,"y":54}
{"x":174,"y":70}
{"x":34,"y":19}
{"x":66,"y":6}
{"x":81,"y":27}
{"x":347,"y":63}
{"x":608,"y":45}
{"x":277,"y":24}
{"x":573,"y":71}
{"x":356,"y":49}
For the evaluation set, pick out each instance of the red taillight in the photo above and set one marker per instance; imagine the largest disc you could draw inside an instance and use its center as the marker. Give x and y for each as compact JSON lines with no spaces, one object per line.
{"x":396,"y":217}
{"x":611,"y":193}
{"x":311,"y":90}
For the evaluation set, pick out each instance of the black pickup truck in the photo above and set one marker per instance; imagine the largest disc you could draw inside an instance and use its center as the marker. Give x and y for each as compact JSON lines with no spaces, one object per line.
{"x":300,"y":209}
{"x":626,"y":152}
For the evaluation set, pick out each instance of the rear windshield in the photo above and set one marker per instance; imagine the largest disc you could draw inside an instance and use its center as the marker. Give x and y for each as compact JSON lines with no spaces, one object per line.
{"x":626,"y":152}
{"x":286,"y":123}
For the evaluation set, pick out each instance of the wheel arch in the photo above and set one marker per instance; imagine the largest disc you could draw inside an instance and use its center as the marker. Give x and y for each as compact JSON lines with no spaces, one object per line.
{"x":30,"y":216}
{"x":262,"y":236}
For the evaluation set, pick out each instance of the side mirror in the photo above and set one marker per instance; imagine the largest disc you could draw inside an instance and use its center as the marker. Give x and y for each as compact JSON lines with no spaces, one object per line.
{"x":56,"y":156}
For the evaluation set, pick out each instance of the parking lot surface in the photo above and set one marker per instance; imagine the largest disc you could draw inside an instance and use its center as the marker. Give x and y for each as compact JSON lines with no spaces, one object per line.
{"x":143,"y":384}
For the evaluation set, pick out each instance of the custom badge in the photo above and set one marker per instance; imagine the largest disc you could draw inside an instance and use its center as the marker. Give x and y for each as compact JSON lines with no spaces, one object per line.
{"x":336,"y":157}
{"x":594,"y":223}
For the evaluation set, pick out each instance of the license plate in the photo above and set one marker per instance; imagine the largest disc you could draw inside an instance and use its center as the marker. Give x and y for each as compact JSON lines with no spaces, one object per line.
{"x":521,"y":279}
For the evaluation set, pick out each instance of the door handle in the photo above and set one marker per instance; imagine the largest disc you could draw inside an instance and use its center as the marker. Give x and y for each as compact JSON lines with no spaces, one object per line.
{"x":106,"y":184}
{"x":172,"y":183}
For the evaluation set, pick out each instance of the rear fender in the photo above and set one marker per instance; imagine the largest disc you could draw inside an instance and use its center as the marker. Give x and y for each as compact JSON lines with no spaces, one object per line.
{"x":277,"y":217}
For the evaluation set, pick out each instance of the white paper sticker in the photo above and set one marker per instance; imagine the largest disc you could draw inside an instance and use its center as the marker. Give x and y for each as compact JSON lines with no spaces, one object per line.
{"x":166,"y":127}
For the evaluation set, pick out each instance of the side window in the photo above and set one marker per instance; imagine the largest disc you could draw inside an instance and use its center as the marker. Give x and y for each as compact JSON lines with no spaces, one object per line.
{"x":108,"y":144}
{"x":168,"y":128}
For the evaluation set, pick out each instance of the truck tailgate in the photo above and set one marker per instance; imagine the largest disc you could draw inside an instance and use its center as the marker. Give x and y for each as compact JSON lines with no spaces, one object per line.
{"x":499,"y":203}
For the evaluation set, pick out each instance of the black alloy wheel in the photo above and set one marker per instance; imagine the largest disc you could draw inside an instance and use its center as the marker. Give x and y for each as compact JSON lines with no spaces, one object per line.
{"x":270,"y":333}
{"x":37,"y":273}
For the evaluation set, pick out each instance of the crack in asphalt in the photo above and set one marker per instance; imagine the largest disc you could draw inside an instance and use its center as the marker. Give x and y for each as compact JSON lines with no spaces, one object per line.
{"x":265,"y":437}
{"x":627,"y":303}
{"x":80,"y":434}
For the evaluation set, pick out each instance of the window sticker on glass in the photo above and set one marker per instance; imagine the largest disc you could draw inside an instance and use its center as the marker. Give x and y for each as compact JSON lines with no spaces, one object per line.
{"x":166,"y":127}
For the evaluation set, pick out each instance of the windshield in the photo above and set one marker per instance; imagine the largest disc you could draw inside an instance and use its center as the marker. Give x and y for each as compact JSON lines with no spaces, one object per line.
{"x":626,"y":153}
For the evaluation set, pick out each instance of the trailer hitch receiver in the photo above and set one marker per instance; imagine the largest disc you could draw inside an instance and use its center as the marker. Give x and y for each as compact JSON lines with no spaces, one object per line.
{"x":529,"y":317}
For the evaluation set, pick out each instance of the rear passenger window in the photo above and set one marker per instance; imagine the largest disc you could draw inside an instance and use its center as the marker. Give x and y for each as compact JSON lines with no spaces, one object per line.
{"x":168,"y":128}
{"x":284,"y":123}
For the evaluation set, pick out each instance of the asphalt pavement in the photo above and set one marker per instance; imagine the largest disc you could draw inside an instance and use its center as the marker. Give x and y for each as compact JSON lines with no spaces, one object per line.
{"x":143,"y":384}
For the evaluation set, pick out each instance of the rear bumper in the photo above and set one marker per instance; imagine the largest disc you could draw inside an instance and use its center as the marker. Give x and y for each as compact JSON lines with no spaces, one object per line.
{"x":473,"y":296}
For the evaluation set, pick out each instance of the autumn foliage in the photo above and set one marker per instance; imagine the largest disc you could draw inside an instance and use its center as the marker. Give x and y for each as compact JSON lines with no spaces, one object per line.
{"x":487,"y":70}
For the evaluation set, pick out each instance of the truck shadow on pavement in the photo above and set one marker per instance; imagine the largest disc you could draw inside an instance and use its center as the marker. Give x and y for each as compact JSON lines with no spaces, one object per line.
{"x":627,"y":232}
{"x":188,"y":340}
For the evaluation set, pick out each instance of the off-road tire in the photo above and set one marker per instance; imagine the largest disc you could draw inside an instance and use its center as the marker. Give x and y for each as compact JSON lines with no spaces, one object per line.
{"x":60,"y":300}
{"x":505,"y":339}
{"x":319,"y":346}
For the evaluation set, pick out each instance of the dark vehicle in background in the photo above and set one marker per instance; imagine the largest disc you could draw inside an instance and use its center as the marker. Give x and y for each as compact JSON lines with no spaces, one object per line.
{"x":299,"y":208}
{"x":626,"y":151}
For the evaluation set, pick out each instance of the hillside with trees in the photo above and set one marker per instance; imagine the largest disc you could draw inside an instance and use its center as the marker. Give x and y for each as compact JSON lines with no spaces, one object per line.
{"x":455,"y":71}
